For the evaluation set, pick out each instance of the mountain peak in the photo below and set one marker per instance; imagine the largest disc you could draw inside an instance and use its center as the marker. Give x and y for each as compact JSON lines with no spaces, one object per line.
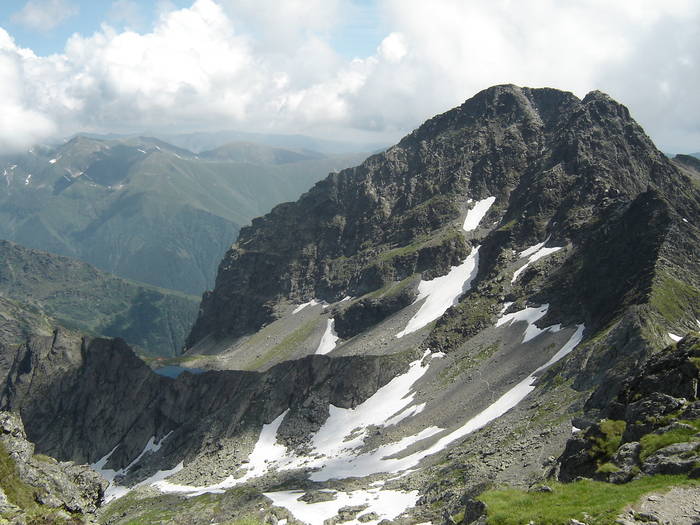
{"x":550,"y":160}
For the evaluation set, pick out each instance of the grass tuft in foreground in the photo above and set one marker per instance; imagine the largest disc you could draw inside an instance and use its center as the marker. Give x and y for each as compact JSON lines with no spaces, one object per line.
{"x":595,"y":502}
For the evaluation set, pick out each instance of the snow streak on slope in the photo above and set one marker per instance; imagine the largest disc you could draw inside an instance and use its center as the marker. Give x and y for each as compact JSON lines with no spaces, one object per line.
{"x":335,"y":451}
{"x":675,"y":338}
{"x":115,"y":491}
{"x":343,"y":432}
{"x":474,"y":216}
{"x":442,"y":292}
{"x":534,"y":253}
{"x":329,"y":339}
{"x":386,"y":504}
{"x":530,"y":315}
{"x":312,"y":302}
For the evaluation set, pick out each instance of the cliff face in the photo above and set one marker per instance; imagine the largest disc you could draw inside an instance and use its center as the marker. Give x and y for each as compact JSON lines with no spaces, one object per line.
{"x":555,"y":164}
{"x":80,"y":398}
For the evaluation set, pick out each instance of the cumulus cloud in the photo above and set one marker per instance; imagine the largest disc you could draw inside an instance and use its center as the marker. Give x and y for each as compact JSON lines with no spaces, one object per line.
{"x":44,"y":15}
{"x":261,"y":65}
{"x":20,"y":124}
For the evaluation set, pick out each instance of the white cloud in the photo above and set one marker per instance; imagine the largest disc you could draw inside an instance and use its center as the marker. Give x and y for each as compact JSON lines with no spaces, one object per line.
{"x":20,"y":125}
{"x":263,"y":65}
{"x":283,"y":26}
{"x":393,"y":48}
{"x":44,"y":15}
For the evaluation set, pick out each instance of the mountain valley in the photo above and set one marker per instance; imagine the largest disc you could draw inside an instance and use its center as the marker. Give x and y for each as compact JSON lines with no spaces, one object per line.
{"x":501,"y":309}
{"x":146,"y":210}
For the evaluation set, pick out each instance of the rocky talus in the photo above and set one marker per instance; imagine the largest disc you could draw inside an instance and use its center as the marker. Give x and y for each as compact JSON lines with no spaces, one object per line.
{"x":652,"y":427}
{"x":37,"y":489}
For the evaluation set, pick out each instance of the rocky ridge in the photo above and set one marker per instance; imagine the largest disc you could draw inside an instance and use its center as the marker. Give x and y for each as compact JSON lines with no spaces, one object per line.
{"x":652,"y":427}
{"x":38,"y":489}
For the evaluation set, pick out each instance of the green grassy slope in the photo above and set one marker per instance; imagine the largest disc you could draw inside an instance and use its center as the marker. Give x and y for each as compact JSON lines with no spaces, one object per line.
{"x":79,"y":296}
{"x":143,"y":209}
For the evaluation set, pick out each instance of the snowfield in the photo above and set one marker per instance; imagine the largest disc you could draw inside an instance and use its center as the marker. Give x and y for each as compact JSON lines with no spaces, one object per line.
{"x":534,"y":253}
{"x":442,"y":292}
{"x":338,"y":448}
{"x":477,"y":213}
{"x":329,"y":338}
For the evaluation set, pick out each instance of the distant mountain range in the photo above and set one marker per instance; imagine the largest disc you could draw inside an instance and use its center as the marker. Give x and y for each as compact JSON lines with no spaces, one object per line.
{"x":147,"y":210}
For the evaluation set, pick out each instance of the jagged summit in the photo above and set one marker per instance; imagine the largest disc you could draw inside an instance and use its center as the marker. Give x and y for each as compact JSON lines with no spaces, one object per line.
{"x":555,"y":165}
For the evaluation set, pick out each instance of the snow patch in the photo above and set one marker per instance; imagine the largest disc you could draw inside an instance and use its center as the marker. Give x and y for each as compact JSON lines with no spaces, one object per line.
{"x":506,"y":305}
{"x":442,"y":292}
{"x":534,"y":253}
{"x":476,"y":214}
{"x":115,"y":491}
{"x":265,"y":452}
{"x":312,"y":302}
{"x":408,"y":412}
{"x":380,"y":460}
{"x":335,"y":448}
{"x":674,"y":337}
{"x":386,"y":504}
{"x":329,"y":338}
{"x":529,"y":315}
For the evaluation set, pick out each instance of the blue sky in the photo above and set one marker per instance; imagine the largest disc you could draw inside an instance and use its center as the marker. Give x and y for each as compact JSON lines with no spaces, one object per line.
{"x":368,"y":70}
{"x":358,"y":34}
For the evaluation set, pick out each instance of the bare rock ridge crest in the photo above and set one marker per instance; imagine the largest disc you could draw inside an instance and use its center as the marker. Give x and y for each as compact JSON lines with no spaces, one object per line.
{"x":553,"y":162}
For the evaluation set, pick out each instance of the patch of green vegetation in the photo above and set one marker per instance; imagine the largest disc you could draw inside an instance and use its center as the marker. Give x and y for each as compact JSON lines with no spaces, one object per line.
{"x":390,"y":289}
{"x":595,"y":502}
{"x":606,"y":445}
{"x":17,"y":492}
{"x":44,"y":458}
{"x":83,"y":298}
{"x":403,"y":250}
{"x":508,"y":226}
{"x":443,"y":236}
{"x":184,"y":360}
{"x":468,"y":362}
{"x":287,"y":345}
{"x":153,"y":517}
{"x":674,"y":299}
{"x":607,"y":468}
{"x":463,"y":321}
{"x":652,"y":442}
{"x":140,"y":511}
{"x":23,"y":495}
{"x":247,"y":520}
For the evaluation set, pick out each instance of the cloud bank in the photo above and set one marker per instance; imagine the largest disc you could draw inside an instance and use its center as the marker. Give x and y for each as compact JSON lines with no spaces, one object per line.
{"x":254,"y":65}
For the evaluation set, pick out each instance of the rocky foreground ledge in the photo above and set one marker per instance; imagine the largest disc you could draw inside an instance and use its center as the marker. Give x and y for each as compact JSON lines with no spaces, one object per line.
{"x":37,"y":489}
